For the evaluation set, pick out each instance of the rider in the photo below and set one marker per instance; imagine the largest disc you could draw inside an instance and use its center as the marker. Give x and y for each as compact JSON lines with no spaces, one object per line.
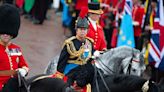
{"x":11,"y":58}
{"x":75,"y":59}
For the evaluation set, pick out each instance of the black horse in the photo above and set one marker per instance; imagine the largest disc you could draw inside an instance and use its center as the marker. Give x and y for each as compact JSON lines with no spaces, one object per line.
{"x":115,"y":83}
{"x":127,"y":83}
{"x":39,"y":83}
{"x":109,"y":83}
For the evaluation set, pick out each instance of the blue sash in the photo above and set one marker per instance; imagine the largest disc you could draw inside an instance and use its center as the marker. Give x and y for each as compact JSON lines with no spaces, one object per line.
{"x":69,"y":67}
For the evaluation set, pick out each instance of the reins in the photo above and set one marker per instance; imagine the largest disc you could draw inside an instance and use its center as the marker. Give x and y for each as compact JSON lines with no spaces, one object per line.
{"x":130,"y":63}
{"x":101,"y":76}
{"x":105,"y":66}
{"x":129,"y":67}
{"x":20,"y":81}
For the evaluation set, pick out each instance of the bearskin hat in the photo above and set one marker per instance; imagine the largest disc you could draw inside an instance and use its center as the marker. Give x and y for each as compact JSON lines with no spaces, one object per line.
{"x":9,"y":20}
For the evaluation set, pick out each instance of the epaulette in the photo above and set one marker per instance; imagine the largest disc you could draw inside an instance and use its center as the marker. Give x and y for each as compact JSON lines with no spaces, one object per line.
{"x":70,"y":39}
{"x":90,"y":39}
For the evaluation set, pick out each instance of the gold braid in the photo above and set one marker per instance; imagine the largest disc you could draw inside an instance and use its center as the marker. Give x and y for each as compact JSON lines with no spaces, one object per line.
{"x":72,"y":51}
{"x":71,"y":48}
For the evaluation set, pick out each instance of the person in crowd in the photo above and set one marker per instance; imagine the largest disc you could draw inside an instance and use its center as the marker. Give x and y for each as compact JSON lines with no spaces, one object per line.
{"x":95,"y":30}
{"x":107,"y":20}
{"x":137,"y":16}
{"x":11,"y":58}
{"x":39,"y":11}
{"x":75,"y":59}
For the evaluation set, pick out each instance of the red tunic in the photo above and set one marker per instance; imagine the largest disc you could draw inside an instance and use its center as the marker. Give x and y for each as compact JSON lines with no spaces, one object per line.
{"x":10,"y":59}
{"x":98,"y":37}
{"x":137,"y":14}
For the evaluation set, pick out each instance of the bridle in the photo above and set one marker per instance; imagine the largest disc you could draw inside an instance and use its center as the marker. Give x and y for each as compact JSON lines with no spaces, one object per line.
{"x":130,"y":63}
{"x":98,"y":71}
{"x":108,"y":69}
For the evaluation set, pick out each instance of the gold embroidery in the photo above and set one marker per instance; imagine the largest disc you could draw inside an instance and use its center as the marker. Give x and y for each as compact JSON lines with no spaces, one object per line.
{"x":78,"y":53}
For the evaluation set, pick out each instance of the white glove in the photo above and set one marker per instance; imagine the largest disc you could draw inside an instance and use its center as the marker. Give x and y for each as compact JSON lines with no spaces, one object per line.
{"x":96,"y":53}
{"x":135,"y":23}
{"x":22,"y":72}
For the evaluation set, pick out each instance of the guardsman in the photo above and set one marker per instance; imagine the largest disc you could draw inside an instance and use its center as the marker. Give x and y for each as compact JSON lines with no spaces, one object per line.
{"x":11,"y":58}
{"x":137,"y":15}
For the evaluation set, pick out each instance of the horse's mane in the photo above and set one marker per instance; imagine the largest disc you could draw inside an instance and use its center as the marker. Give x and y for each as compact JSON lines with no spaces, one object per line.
{"x":129,"y":80}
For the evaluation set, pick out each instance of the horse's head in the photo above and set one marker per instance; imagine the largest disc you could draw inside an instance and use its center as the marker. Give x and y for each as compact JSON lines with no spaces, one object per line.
{"x":134,"y":64}
{"x":120,"y":60}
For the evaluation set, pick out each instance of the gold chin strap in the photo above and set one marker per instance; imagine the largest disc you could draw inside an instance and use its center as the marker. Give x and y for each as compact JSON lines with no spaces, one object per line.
{"x":145,"y":86}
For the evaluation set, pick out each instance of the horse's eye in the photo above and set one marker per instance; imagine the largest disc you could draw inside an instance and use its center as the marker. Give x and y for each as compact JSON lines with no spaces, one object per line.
{"x":134,"y":70}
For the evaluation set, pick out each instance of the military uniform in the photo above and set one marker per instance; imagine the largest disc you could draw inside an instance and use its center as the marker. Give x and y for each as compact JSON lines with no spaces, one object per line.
{"x":74,"y":62}
{"x":10,"y":59}
{"x":137,"y":15}
{"x":73,"y":54}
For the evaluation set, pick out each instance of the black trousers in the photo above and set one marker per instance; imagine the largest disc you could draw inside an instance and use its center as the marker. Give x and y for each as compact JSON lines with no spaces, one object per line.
{"x":11,"y":85}
{"x":40,"y":10}
{"x":108,"y":36}
{"x":8,"y":1}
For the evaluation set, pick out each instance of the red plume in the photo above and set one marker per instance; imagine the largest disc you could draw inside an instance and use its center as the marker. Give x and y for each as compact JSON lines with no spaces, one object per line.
{"x":83,"y":12}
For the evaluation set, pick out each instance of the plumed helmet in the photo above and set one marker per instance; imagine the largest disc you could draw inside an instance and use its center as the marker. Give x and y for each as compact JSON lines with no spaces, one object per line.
{"x":82,"y":22}
{"x":9,"y":20}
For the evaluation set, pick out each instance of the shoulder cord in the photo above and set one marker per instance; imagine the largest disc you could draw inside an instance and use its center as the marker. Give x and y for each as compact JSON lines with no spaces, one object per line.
{"x":72,"y":51}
